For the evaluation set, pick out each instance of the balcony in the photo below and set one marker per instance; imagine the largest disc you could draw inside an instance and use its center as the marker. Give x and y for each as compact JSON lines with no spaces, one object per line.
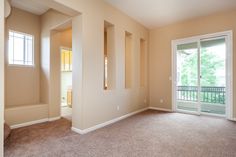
{"x":212,"y":98}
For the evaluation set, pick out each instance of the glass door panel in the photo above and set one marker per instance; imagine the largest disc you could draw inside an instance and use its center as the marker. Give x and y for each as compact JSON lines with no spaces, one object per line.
{"x":213,"y":75}
{"x":187,"y":77}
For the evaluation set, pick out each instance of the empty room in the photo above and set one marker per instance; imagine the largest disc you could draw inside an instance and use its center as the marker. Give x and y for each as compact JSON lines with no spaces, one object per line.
{"x":102,"y":78}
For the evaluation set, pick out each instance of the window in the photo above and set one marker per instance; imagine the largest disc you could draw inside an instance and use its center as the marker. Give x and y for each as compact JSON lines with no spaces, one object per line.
{"x":66,"y":60}
{"x":20,"y":49}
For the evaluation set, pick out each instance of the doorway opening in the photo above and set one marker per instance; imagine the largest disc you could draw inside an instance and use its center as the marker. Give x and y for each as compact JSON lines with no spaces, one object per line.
{"x":66,"y":81}
{"x":61,"y":46}
{"x":202,"y":75}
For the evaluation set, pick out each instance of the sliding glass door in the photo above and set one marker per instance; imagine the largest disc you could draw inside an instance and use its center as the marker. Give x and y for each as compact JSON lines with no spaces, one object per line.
{"x":213,"y":75}
{"x":187,"y":77}
{"x":200,"y":81}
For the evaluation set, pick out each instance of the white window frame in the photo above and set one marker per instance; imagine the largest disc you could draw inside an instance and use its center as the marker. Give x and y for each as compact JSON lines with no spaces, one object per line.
{"x":71,"y":65}
{"x":229,"y":68}
{"x":33,"y":58}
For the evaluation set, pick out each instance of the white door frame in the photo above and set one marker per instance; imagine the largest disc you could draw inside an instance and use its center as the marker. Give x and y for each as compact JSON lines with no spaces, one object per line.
{"x":229,"y":67}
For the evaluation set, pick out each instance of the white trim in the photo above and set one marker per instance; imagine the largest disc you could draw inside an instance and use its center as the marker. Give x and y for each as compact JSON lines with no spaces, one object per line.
{"x":58,"y":27}
{"x":199,"y":106}
{"x":65,"y":48}
{"x":187,"y":112}
{"x":229,"y":75}
{"x":161,"y":109}
{"x":212,"y":114}
{"x":195,"y":103}
{"x":34,"y":122}
{"x":28,"y":123}
{"x":79,"y":131}
{"x":33,"y":50}
{"x":54,"y":118}
{"x":233,"y":119}
{"x":25,"y":106}
{"x":202,"y":113}
{"x":195,"y":38}
{"x":85,"y":131}
{"x":229,"y":70}
{"x":173,"y":75}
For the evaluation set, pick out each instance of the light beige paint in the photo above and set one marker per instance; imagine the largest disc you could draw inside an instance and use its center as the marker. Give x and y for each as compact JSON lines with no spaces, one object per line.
{"x":50,"y":91}
{"x":109,"y":51}
{"x":26,"y":113}
{"x":128,"y":59}
{"x":142,"y":62}
{"x":97,"y":105}
{"x":92,"y":104}
{"x":66,"y":37}
{"x":160,"y":52}
{"x":27,"y":99}
{"x":2,"y":42}
{"x":77,"y":75}
{"x":22,"y":83}
{"x":58,"y":39}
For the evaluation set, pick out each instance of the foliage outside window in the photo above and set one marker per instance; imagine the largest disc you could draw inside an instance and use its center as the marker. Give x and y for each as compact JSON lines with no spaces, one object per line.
{"x":212,"y":66}
{"x":212,"y":72}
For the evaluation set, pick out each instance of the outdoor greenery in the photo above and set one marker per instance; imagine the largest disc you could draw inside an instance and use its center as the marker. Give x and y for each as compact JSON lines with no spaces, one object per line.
{"x":210,"y":65}
{"x":212,"y":74}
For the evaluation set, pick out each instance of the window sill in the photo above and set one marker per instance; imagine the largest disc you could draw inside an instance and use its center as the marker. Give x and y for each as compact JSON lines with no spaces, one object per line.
{"x":21,"y":66}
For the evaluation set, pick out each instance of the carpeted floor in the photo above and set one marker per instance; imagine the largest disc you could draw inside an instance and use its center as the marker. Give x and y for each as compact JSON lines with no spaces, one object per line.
{"x":149,"y":134}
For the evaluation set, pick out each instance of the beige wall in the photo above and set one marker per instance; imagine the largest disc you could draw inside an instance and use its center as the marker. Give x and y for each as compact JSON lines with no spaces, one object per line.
{"x":77,"y":75}
{"x":50,"y":91}
{"x":128,"y":60}
{"x":58,"y":39}
{"x":109,"y":51}
{"x":143,"y":46}
{"x":66,"y":38}
{"x":160,"y":51}
{"x":2,"y":41}
{"x":18,"y":115}
{"x":92,"y":105}
{"x":98,"y":105}
{"x":22,"y":83}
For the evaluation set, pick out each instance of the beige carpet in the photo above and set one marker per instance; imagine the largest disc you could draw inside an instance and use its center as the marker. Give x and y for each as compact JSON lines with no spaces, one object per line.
{"x":149,"y":134}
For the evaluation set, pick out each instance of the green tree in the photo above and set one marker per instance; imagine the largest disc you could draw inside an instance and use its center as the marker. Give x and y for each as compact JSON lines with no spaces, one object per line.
{"x":210,"y":63}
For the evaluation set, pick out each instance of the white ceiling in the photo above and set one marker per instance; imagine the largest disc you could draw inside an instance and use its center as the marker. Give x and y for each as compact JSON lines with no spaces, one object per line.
{"x":30,"y":5}
{"x":156,"y":13}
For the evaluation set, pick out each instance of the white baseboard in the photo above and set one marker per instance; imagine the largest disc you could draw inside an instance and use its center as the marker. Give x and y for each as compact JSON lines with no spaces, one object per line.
{"x":54,"y":118}
{"x":34,"y":122}
{"x":85,"y":131}
{"x":28,"y":123}
{"x":160,"y":109}
{"x":79,"y":131}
